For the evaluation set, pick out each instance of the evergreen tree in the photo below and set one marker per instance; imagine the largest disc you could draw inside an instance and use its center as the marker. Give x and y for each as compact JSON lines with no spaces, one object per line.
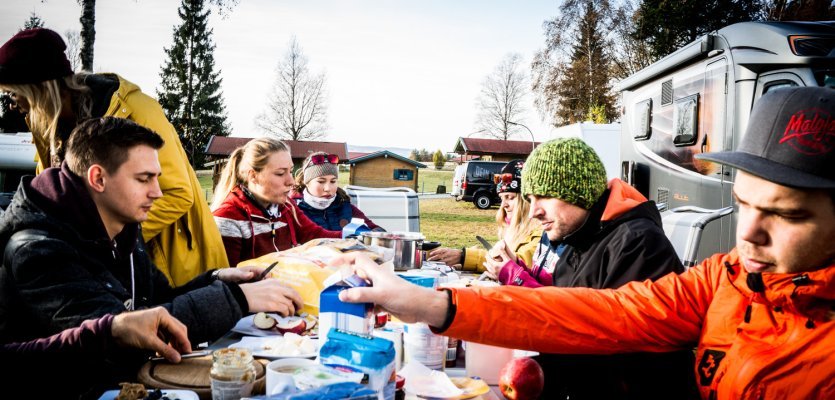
{"x":585,"y":82}
{"x":190,"y":94}
{"x":33,"y":22}
{"x":668,"y":25}
{"x":438,"y":159}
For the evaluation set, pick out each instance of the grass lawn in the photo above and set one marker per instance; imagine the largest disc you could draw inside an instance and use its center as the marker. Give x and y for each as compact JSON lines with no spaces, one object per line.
{"x":455,"y":224}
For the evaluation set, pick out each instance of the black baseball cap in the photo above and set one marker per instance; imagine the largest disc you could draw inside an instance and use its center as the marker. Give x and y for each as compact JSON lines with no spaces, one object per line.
{"x":790,"y":139}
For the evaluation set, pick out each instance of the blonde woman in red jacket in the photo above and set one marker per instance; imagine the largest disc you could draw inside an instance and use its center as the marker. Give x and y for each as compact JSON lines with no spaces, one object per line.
{"x":251,"y":206}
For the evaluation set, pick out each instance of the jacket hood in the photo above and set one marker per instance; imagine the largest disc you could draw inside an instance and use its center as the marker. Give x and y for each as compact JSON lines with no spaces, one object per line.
{"x":618,"y":204}
{"x":811,"y":293}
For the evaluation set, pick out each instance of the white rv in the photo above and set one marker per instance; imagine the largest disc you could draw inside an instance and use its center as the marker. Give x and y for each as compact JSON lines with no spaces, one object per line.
{"x":698,"y":99}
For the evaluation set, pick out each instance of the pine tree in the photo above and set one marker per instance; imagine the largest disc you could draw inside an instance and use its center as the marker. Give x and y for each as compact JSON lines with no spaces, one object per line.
{"x":33,"y":22}
{"x":668,"y":25}
{"x":585,"y":82}
{"x":190,"y":94}
{"x":438,"y":159}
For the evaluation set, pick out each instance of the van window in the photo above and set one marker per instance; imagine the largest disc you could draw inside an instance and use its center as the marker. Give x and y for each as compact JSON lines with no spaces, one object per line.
{"x":404,"y":174}
{"x":686,"y":117}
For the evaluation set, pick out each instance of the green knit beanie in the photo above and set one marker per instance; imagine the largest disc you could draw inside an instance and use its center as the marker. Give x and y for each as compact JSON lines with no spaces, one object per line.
{"x":565,"y":168}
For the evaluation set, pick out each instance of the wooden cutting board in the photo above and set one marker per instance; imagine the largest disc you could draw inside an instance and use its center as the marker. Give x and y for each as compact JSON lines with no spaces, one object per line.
{"x":190,"y":374}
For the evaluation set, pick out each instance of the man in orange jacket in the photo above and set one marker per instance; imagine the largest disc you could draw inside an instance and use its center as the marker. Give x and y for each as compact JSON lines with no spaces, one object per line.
{"x":762,"y":315}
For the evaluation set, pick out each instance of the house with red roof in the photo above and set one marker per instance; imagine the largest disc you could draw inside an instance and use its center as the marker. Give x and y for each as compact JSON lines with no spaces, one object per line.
{"x":492,"y":149}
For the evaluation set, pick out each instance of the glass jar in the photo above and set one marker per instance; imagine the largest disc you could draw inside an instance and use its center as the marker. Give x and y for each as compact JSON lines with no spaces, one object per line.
{"x":232,"y":374}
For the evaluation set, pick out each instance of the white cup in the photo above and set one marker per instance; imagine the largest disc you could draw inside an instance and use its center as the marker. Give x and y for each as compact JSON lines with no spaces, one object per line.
{"x":280,"y":373}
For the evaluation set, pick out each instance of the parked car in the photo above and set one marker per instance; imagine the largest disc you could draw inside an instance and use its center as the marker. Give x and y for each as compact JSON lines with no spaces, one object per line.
{"x":477,"y":185}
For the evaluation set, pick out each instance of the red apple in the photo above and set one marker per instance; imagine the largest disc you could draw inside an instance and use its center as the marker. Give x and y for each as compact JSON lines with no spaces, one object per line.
{"x":263,"y":321}
{"x":521,"y":379}
{"x":296,"y":326}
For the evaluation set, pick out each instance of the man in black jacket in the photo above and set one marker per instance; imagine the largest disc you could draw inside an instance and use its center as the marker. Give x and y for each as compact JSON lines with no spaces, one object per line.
{"x":611,"y":235}
{"x":73,"y":248}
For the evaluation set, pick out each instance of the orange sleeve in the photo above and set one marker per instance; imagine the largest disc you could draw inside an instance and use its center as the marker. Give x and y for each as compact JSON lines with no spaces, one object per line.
{"x":644,"y":316}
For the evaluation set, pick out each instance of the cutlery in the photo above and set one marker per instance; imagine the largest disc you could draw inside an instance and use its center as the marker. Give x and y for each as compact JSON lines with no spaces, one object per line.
{"x":266,"y":271}
{"x":193,"y":354}
{"x":484,"y":242}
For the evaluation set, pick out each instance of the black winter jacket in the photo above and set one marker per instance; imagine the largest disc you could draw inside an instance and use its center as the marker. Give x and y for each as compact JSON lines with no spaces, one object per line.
{"x":606,"y":255}
{"x":61,"y":268}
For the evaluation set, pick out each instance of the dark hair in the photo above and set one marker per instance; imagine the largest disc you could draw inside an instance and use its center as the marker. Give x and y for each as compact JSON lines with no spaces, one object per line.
{"x":106,"y":142}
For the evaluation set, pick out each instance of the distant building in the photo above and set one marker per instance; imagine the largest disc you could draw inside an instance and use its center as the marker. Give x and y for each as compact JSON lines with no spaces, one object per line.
{"x":384,"y":169}
{"x":220,"y":147}
{"x":492,"y":149}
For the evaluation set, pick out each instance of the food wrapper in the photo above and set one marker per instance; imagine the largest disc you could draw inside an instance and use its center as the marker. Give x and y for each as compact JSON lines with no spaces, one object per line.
{"x":305,"y":269}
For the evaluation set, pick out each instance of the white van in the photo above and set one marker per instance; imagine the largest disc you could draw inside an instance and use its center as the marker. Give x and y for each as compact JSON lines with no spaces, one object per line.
{"x":457,"y":180}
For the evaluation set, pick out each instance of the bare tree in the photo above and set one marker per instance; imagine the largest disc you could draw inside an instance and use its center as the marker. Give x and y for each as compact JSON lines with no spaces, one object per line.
{"x":296,"y":107}
{"x":73,"y":39}
{"x":501,"y":102}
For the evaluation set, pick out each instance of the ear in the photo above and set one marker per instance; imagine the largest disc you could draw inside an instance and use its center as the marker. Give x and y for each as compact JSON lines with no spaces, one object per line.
{"x":251,"y":177}
{"x":96,"y":177}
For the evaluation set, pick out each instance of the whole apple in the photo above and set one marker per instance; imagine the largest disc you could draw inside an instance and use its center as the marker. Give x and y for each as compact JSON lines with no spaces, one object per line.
{"x":521,"y":379}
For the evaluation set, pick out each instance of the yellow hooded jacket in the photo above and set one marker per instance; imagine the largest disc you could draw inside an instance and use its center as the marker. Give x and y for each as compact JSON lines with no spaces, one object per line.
{"x":180,"y":233}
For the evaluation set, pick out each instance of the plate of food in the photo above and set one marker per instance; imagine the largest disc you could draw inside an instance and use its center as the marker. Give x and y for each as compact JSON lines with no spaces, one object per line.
{"x":269,"y":324}
{"x":290,"y":345}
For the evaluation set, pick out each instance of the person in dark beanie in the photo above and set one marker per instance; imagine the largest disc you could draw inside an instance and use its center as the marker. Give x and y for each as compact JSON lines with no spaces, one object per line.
{"x":319,"y":197}
{"x":181,"y":234}
{"x":761,"y":316}
{"x":600,"y":236}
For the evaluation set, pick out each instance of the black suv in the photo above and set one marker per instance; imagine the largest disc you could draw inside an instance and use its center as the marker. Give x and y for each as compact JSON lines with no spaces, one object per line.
{"x":478,"y":185}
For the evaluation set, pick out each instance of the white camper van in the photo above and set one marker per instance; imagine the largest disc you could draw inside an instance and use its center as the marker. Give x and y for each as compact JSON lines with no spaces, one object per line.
{"x":698,"y":99}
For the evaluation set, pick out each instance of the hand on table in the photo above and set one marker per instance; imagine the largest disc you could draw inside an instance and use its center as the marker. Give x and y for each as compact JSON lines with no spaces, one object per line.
{"x":446,"y":255}
{"x":144,"y":329}
{"x":269,"y":295}
{"x":408,"y":302}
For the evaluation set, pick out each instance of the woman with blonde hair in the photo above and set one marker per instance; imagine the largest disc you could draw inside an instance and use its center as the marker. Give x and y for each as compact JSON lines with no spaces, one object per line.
{"x":318,"y":195}
{"x":251,"y":206}
{"x":180,"y":234}
{"x":516,"y":230}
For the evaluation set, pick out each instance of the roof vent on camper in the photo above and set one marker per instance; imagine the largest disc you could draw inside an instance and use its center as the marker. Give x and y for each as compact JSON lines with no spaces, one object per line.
{"x":667,"y":92}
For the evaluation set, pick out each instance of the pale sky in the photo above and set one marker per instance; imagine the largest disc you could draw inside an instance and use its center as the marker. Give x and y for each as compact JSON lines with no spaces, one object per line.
{"x":399,"y":73}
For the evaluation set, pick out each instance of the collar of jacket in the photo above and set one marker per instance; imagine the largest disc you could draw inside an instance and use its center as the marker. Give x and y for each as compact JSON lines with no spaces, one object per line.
{"x":810,"y":293}
{"x":62,"y":195}
{"x":618,"y":204}
{"x":253,"y":210}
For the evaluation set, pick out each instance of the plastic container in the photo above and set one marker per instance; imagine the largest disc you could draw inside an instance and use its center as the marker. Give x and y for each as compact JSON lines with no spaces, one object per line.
{"x":232,"y":374}
{"x":355,"y":228}
{"x":486,"y":362}
{"x":423,"y":346}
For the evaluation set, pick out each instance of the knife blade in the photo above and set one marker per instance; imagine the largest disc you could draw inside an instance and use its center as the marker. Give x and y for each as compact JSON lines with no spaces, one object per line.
{"x":484,"y":242}
{"x":267,"y":271}
{"x":193,"y":354}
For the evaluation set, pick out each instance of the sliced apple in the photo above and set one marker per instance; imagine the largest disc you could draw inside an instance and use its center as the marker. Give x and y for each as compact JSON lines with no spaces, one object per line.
{"x":296,"y":326}
{"x":264,"y":321}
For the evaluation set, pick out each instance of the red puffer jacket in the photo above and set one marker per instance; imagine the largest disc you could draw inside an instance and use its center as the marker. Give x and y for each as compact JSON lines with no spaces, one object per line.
{"x":774,"y":341}
{"x":248,"y":232}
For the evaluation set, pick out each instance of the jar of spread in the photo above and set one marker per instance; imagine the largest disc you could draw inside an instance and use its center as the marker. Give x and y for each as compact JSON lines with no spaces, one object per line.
{"x":232,"y":374}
